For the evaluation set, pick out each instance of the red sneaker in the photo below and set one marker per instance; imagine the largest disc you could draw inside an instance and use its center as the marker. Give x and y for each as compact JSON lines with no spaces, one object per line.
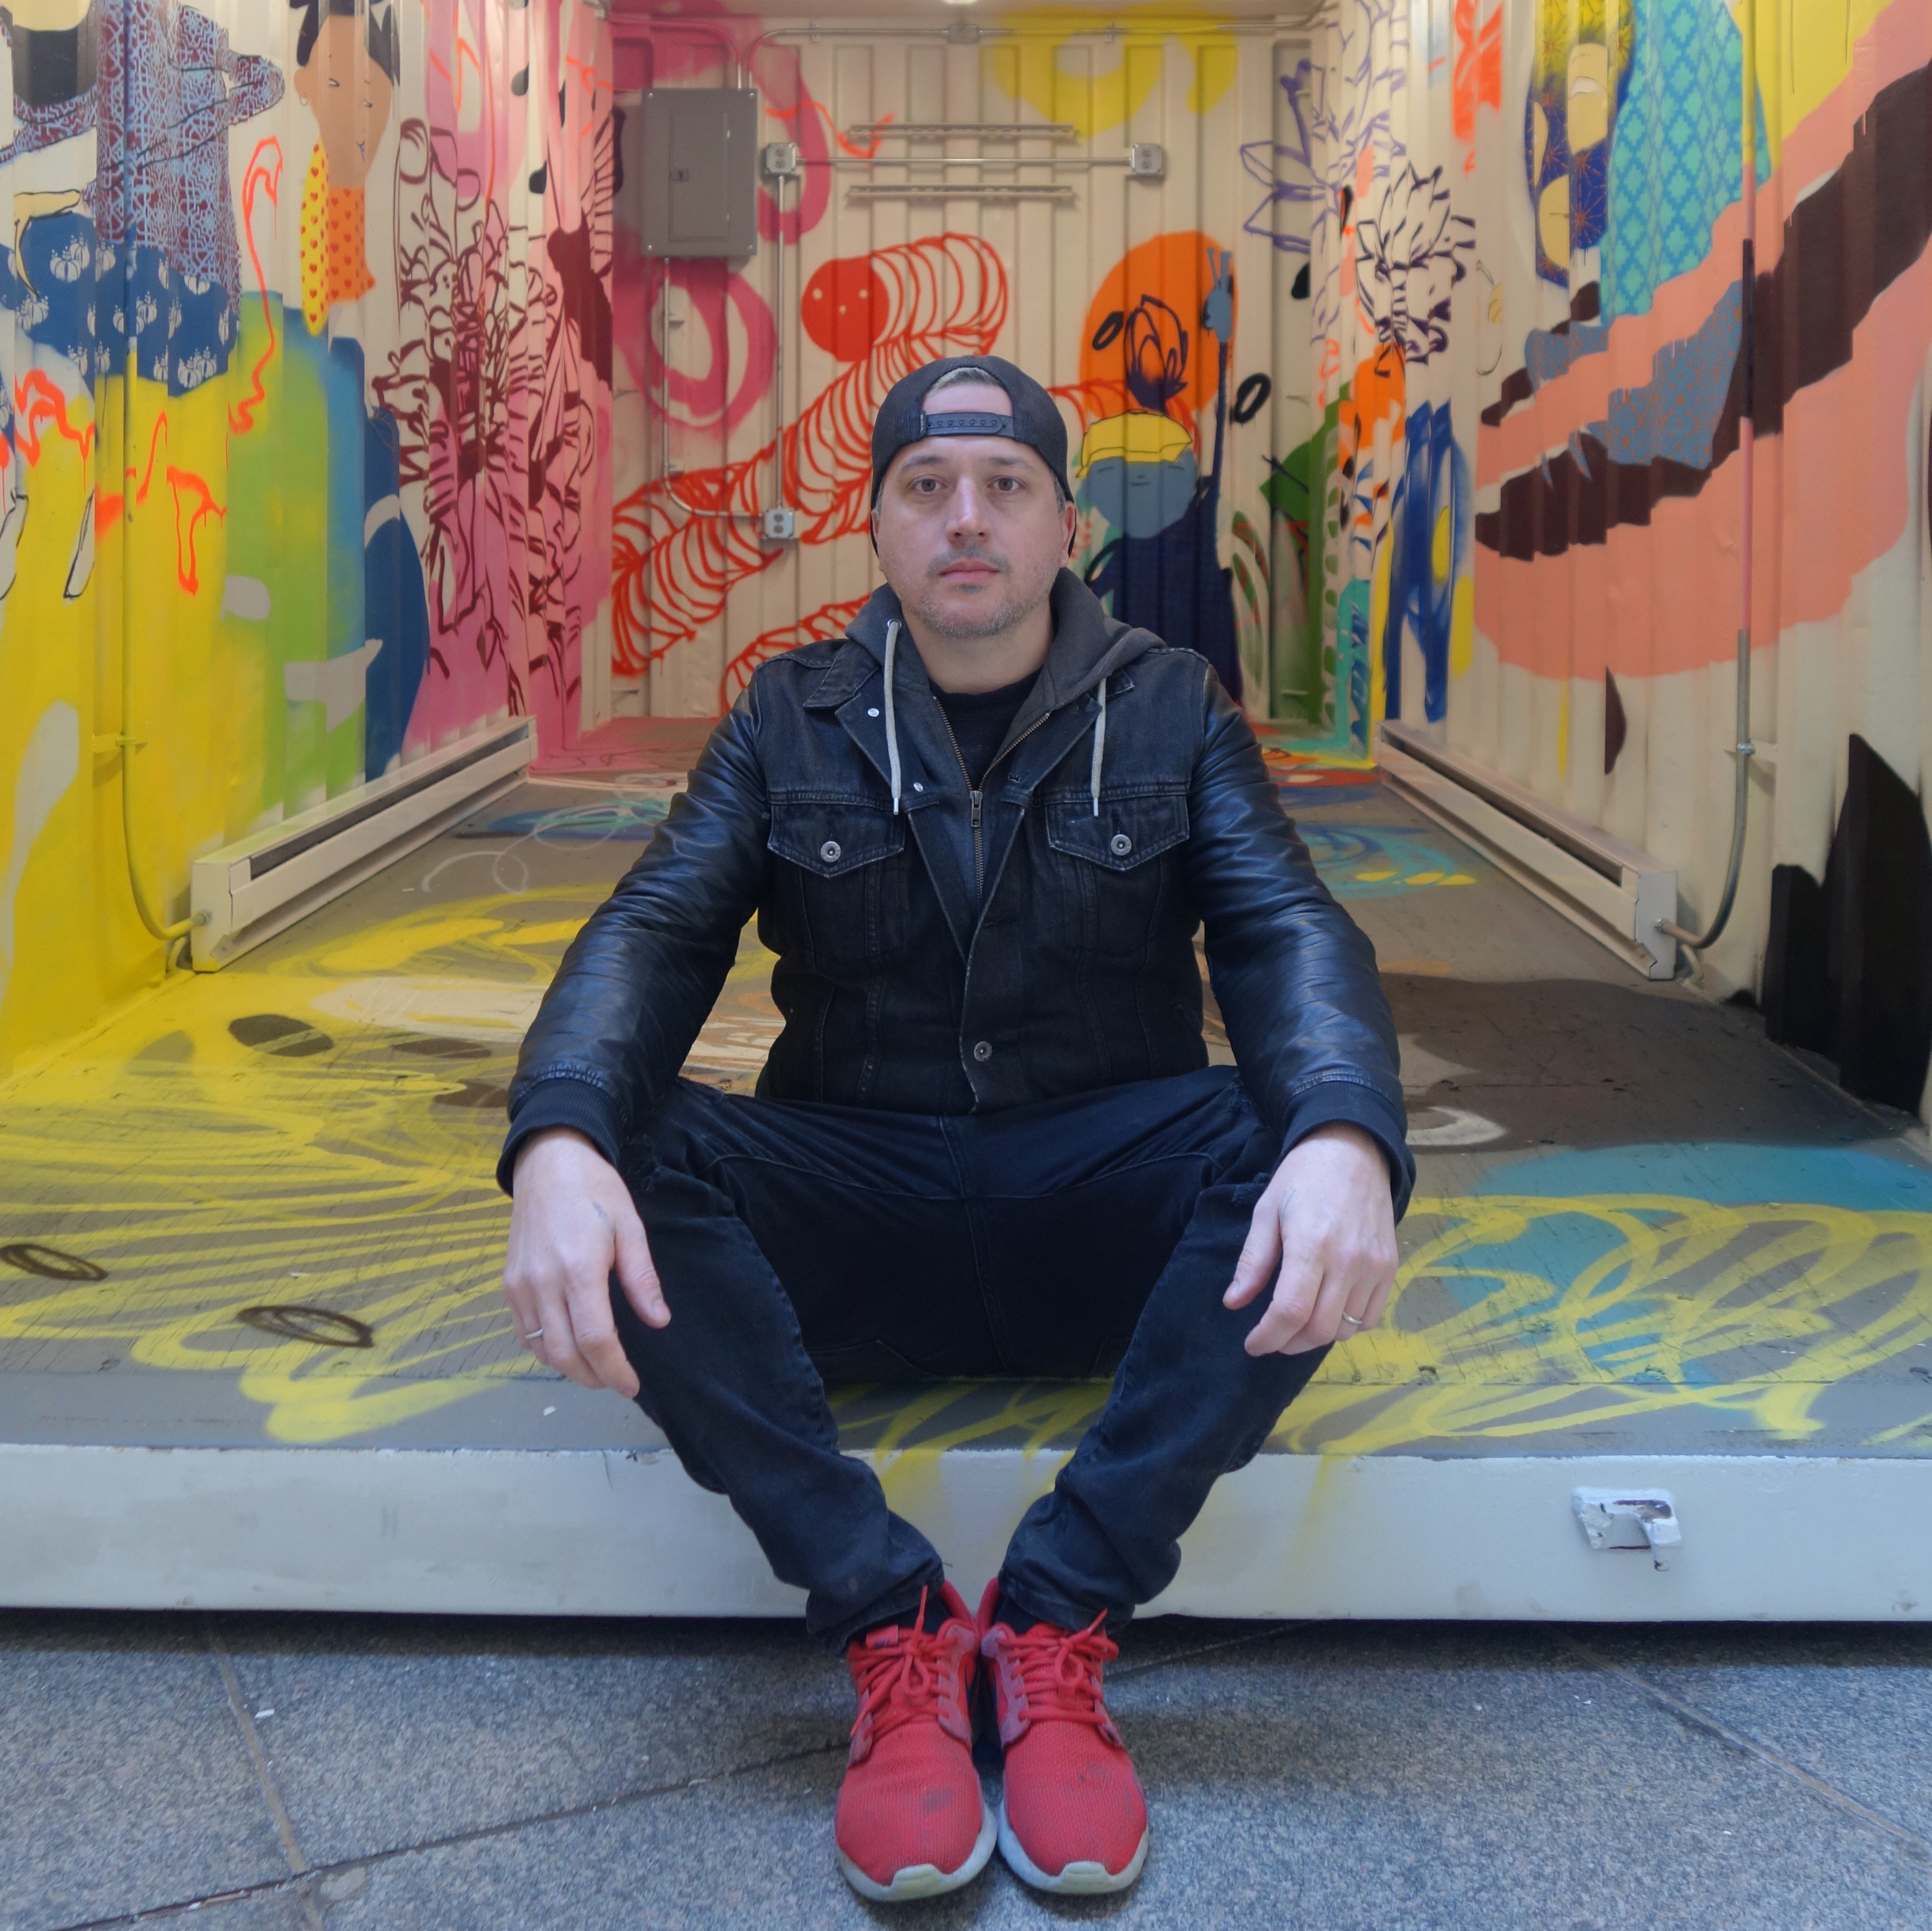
{"x":911,"y":1821}
{"x":1073,"y":1817}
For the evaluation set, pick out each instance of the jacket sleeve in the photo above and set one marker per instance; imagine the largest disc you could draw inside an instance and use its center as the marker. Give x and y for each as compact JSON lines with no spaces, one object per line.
{"x":1293,"y":975}
{"x":642,"y":975}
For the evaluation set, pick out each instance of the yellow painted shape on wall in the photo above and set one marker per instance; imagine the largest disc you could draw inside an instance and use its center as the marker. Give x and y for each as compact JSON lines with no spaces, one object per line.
{"x":1215,"y":64}
{"x":76,"y":946}
{"x":1058,"y":82}
{"x":1805,"y":49}
{"x":154,"y":495}
{"x":1463,"y":627}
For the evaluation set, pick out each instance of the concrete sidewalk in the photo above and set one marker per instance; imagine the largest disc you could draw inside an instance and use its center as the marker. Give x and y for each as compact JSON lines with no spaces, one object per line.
{"x":367,"y":1774}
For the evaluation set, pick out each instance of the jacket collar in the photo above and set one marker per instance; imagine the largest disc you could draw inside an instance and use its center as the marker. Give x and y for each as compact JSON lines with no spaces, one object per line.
{"x":1087,"y":645}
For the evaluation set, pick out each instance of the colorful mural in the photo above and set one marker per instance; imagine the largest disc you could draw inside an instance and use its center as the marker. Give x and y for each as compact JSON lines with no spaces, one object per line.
{"x":1513,"y":504}
{"x":333,"y":371}
{"x":748,"y":384}
{"x":303,"y":372}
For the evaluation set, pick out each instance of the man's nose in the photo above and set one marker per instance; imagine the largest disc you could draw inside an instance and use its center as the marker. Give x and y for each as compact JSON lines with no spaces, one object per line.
{"x":969,"y":510}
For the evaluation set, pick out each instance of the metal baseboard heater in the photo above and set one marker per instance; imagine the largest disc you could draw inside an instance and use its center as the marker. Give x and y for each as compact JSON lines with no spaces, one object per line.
{"x":261,"y":885}
{"x":1611,"y":889}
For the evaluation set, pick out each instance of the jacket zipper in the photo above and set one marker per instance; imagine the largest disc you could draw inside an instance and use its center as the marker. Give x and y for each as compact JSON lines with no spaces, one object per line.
{"x":977,"y":799}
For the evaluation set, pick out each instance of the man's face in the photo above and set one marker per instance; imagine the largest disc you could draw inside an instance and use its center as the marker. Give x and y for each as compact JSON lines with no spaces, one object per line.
{"x":970,"y":531}
{"x":348,"y":94}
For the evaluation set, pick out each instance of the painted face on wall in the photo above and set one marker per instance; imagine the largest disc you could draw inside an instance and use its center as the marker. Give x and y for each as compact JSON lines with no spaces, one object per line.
{"x":349,"y":96}
{"x":1582,"y":66}
{"x":1138,"y":471}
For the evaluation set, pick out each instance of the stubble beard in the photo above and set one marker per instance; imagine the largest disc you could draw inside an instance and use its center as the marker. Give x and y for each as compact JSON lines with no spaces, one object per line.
{"x":976,"y":622}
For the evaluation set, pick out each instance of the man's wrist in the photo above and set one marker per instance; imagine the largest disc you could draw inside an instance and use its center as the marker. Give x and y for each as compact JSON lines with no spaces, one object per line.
{"x":546,"y":1136}
{"x":1348,"y":1131}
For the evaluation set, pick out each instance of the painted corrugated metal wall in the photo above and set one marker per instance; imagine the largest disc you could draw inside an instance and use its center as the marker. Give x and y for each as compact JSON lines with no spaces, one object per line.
{"x":304,"y":358}
{"x":1149,"y":305}
{"x":1474,"y":459}
{"x":1524,"y":219}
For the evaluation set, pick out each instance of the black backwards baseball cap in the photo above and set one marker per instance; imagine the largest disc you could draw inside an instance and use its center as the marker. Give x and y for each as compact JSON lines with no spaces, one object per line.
{"x":903,"y":420}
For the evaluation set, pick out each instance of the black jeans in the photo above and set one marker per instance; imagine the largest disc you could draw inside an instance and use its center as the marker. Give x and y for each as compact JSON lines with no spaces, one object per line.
{"x":798,"y":1241}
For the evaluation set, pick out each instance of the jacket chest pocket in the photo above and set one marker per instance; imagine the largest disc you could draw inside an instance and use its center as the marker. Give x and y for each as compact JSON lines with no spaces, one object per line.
{"x":1108,"y":878}
{"x":842,"y":879}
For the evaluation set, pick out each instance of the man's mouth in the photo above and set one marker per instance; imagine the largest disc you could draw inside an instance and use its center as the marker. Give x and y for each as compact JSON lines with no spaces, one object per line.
{"x":968,"y":570}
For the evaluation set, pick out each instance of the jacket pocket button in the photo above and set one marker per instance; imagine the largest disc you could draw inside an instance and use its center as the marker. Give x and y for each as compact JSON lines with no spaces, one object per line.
{"x":1119,"y":844}
{"x":983,"y":1050}
{"x":829,"y":851}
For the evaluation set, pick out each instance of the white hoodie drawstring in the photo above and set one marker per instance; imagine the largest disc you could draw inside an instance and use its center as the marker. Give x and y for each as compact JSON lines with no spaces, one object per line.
{"x":1100,"y":747}
{"x":891,"y":720}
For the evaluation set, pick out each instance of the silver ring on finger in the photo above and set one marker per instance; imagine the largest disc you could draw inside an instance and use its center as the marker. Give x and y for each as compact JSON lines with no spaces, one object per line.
{"x":535,"y":1331}
{"x":1351,"y":1320}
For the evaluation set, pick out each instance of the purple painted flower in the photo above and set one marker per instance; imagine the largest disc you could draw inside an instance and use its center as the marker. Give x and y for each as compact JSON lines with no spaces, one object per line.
{"x":1409,"y":254}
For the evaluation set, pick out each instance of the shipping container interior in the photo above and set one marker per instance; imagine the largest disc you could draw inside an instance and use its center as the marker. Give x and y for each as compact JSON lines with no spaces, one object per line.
{"x":1522,"y":404}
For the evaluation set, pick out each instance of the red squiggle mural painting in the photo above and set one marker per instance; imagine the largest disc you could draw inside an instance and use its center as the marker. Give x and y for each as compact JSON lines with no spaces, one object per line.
{"x":261,"y":176}
{"x":193,"y":503}
{"x":828,"y":620}
{"x":944,"y":295}
{"x":37,"y":401}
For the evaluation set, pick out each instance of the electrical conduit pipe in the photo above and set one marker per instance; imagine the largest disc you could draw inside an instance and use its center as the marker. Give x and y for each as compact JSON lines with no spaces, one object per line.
{"x":126,"y":741}
{"x":1746,"y":448}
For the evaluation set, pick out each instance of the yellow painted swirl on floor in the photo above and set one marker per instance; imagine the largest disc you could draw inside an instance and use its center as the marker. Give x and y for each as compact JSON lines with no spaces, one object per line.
{"x":317,"y":1125}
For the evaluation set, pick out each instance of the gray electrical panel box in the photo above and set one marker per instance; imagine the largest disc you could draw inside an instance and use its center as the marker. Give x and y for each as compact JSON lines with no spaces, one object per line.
{"x":701,"y":172}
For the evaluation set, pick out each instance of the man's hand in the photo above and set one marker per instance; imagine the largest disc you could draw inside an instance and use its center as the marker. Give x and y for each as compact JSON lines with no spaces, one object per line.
{"x":1328,"y":1219}
{"x":571,"y":1220}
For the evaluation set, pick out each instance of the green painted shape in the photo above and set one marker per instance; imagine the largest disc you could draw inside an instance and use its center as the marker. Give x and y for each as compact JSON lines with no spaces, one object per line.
{"x":1302,"y":653}
{"x":278,"y":534}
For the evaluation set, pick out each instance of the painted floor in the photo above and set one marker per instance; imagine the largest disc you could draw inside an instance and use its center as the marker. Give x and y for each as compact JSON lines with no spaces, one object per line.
{"x":256,"y":1208}
{"x":385,"y":1773}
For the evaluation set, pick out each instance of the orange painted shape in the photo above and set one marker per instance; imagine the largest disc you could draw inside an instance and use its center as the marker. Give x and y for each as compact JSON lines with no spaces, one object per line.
{"x":843,"y":307}
{"x":859,"y":150}
{"x":38,"y":400}
{"x":1174,"y":269}
{"x":1478,"y":78}
{"x":241,"y":417}
{"x":185,"y":483}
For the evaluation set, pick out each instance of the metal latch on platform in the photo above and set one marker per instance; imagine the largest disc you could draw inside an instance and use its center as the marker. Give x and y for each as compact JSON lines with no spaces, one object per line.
{"x":1614,"y":1519}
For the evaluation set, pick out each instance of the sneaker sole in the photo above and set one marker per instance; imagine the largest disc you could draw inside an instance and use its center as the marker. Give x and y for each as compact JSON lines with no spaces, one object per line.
{"x":1081,"y":1879}
{"x":929,"y":1880}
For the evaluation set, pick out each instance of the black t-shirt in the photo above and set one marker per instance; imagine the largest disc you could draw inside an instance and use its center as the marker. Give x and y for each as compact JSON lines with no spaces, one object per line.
{"x":980,"y":721}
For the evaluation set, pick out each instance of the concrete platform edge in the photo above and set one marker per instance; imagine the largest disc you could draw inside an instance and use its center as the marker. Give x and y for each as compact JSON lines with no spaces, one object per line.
{"x":574,"y":1532}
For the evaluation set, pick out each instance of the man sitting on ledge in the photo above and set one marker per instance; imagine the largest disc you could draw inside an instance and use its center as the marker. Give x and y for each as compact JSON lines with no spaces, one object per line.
{"x":979,"y":832}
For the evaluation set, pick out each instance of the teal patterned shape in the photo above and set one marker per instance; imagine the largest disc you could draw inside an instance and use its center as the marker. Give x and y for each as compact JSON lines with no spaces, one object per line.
{"x":1674,"y":149}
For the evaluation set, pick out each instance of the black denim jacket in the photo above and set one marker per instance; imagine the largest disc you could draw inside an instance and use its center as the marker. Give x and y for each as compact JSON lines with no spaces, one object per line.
{"x":966,"y":950}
